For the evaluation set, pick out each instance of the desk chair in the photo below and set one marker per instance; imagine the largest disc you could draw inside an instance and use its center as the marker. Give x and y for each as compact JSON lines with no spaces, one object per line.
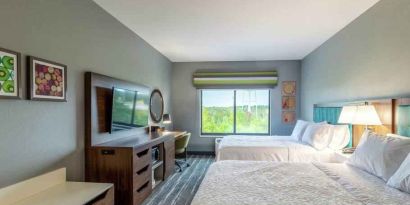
{"x":181,"y":144}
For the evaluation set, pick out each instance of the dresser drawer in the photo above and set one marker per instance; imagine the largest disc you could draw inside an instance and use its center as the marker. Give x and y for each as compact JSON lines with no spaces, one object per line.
{"x":142,"y":192}
{"x":142,"y":175}
{"x":142,"y":158}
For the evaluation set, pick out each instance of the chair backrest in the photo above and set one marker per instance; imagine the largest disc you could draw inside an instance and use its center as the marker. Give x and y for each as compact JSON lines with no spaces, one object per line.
{"x":182,"y":142}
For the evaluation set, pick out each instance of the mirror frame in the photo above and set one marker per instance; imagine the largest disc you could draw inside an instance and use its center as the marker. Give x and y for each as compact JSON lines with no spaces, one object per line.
{"x":150,"y":107}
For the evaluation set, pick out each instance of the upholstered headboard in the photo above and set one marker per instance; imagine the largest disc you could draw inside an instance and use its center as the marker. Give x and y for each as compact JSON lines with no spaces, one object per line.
{"x":403,"y":117}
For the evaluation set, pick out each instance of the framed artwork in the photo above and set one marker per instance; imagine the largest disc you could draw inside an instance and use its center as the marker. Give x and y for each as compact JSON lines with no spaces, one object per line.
{"x":9,"y":74}
{"x":288,"y":117}
{"x":288,"y":103}
{"x":47,"y":80}
{"x":289,"y":88}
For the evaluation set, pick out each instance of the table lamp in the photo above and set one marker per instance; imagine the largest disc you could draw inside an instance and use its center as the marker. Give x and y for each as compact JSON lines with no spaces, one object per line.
{"x":366,"y":115}
{"x":347,"y":115}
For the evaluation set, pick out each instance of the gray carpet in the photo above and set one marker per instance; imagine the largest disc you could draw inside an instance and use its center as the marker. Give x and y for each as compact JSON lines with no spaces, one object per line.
{"x":180,"y":188}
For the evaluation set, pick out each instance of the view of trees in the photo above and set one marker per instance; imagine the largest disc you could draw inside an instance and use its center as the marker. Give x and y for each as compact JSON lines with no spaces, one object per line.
{"x":252,"y":111}
{"x":249,"y":119}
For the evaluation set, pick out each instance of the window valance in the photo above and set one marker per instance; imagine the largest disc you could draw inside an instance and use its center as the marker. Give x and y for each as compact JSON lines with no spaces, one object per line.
{"x":262,"y":79}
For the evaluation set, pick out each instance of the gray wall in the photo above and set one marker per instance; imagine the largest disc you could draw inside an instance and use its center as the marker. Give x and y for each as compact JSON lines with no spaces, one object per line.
{"x":185,"y":98}
{"x":369,"y":58}
{"x":39,"y":136}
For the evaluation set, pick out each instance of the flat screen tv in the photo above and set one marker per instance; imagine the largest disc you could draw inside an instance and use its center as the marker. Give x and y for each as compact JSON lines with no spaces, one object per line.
{"x":130,"y":109}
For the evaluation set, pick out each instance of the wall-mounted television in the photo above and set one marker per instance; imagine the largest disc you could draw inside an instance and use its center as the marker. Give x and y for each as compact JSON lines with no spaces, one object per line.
{"x":130,"y":109}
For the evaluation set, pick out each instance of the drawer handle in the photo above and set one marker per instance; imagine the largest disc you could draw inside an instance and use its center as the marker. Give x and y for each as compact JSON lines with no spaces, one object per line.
{"x":140,"y":154}
{"x":143,"y":170}
{"x":143,"y":187}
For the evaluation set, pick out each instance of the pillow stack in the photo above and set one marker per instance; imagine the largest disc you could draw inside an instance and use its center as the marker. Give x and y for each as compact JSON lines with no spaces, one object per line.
{"x":380,"y":155}
{"x":299,"y":129}
{"x":317,"y":135}
{"x":340,"y":138}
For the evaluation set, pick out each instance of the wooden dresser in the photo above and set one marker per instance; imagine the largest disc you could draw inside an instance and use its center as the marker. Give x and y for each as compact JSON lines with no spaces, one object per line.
{"x":123,"y":158}
{"x":128,"y":164}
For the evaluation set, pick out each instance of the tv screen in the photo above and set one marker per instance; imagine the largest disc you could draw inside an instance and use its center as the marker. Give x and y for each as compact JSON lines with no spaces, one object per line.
{"x":130,"y":109}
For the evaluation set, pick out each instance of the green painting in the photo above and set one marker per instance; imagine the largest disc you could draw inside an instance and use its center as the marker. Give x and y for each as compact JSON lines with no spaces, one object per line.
{"x":9,"y":74}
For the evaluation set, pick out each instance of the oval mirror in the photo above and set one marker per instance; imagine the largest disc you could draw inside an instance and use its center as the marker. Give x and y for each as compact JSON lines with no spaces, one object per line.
{"x":156,"y":107}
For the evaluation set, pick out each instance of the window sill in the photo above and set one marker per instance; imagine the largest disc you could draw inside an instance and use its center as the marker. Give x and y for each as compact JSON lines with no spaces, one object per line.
{"x":221,"y":136}
{"x":212,"y":136}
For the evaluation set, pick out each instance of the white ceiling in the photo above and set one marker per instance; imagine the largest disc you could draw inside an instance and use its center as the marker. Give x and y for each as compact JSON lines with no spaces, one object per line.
{"x":235,"y":30}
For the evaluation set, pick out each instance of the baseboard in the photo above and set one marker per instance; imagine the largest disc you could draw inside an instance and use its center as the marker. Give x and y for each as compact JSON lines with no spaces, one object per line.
{"x":201,"y":153}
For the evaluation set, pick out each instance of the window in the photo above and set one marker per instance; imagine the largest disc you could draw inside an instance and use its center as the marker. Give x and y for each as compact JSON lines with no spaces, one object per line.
{"x":235,"y":111}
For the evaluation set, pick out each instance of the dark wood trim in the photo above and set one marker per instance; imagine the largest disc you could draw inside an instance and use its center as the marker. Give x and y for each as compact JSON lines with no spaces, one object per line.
{"x":30,"y":82}
{"x":19,"y":88}
{"x":394,"y":117}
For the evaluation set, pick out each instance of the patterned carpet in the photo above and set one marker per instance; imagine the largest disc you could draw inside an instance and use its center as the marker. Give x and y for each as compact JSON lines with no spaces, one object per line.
{"x":180,"y":188}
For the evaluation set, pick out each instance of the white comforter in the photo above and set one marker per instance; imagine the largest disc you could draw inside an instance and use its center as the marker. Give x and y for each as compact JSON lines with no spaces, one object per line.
{"x":260,"y":183}
{"x":270,"y":148}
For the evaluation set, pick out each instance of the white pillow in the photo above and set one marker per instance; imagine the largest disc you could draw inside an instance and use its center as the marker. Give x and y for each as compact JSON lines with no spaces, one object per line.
{"x":299,"y":129}
{"x":401,"y":179}
{"x":379,"y":155}
{"x":340,"y":137}
{"x":317,"y":135}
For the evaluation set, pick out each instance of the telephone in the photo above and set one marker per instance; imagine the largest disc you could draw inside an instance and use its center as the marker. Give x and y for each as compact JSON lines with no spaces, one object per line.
{"x":349,"y":150}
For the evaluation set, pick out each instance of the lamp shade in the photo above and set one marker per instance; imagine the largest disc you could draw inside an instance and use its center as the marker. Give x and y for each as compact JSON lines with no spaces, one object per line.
{"x":366,"y":115}
{"x":347,"y":115}
{"x":166,"y":118}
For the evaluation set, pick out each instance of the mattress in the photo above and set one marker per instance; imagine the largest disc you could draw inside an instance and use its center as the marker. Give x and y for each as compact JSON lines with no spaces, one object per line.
{"x":271,"y":148}
{"x":257,"y":182}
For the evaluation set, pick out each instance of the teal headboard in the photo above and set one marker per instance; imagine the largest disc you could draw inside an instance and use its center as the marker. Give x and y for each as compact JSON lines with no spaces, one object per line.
{"x":330,"y":115}
{"x":403,"y":120}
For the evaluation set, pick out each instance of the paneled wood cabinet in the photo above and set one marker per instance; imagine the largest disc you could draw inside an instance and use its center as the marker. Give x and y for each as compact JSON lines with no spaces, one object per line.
{"x":130,"y":166}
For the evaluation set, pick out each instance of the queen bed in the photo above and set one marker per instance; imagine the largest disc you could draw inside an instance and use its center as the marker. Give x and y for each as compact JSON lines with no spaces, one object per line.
{"x":250,"y":182}
{"x":377,"y":173}
{"x":309,"y":142}
{"x":271,"y":148}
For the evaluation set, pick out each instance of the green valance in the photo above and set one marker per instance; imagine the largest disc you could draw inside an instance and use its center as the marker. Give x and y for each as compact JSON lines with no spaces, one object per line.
{"x":266,"y":79}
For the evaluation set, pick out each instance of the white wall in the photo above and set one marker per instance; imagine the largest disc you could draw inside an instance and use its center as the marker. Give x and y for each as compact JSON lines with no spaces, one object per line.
{"x":370,"y":58}
{"x":185,"y":98}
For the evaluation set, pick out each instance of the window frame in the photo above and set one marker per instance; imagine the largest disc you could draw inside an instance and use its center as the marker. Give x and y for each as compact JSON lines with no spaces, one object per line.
{"x":234,"y":115}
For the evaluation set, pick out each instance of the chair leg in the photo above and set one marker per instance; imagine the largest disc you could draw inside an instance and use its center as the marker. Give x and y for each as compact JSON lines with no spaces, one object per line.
{"x":179,"y":166}
{"x":186,"y":158}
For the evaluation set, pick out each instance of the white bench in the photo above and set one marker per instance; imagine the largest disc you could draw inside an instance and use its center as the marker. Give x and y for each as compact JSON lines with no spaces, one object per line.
{"x":52,"y":189}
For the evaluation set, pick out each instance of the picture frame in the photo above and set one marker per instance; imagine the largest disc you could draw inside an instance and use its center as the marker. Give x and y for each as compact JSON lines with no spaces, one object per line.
{"x":47,"y":80}
{"x":289,"y":88}
{"x":288,"y":117}
{"x":289,"y":103}
{"x":10,"y":72}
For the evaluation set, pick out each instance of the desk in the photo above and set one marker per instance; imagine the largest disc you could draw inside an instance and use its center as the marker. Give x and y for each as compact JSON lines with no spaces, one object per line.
{"x":176,"y":134}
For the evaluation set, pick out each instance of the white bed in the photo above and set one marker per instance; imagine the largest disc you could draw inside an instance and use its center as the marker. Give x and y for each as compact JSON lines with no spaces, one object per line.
{"x":271,"y":148}
{"x":263,"y":183}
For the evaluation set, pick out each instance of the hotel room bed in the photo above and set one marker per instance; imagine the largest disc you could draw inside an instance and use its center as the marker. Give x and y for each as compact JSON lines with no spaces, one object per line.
{"x":271,"y":148}
{"x":257,"y":182}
